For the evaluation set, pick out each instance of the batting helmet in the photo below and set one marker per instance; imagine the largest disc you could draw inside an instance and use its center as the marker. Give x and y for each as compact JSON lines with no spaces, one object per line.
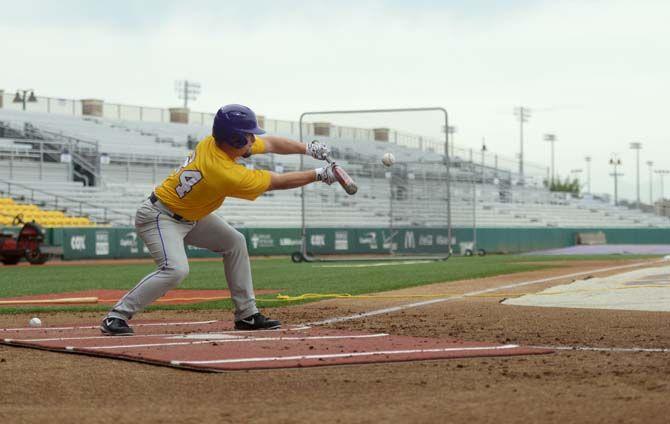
{"x":232,"y":123}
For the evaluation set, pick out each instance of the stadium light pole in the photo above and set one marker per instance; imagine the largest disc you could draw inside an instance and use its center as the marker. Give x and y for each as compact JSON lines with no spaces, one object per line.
{"x":588,"y":173}
{"x":637,"y":147}
{"x":662,"y":173}
{"x":187,"y":90}
{"x":474,"y":197}
{"x":650,"y":164}
{"x":451,"y":130}
{"x":24,"y":98}
{"x":522,"y":113}
{"x":551,"y":138}
{"x":616,"y":162}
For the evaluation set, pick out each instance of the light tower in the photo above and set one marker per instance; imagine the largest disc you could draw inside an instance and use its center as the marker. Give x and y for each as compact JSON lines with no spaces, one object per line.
{"x":588,"y":173}
{"x":23,"y":97}
{"x":637,"y":146}
{"x":650,"y":164}
{"x":187,"y":90}
{"x":616,"y":162}
{"x":662,"y":173}
{"x":451,"y":130}
{"x":523,"y":113}
{"x":551,"y":138}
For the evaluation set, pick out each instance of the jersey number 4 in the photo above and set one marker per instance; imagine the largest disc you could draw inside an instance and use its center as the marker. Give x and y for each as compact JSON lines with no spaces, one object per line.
{"x":187,"y":179}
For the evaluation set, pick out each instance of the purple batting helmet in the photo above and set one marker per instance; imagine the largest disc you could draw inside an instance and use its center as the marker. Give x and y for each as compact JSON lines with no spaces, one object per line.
{"x":235,"y":120}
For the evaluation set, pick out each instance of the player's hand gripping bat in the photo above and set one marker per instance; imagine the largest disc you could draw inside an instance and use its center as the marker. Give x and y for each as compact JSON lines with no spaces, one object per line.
{"x":343,"y":178}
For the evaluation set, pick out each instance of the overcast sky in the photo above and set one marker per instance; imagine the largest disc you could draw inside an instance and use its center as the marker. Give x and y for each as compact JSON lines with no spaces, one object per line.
{"x":595,"y":73}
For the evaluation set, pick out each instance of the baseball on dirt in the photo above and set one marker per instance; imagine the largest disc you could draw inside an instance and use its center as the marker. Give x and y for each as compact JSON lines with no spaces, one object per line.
{"x":388,"y":159}
{"x":35,"y":322}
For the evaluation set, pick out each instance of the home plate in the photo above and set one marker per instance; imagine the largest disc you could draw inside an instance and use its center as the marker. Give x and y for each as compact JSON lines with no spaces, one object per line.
{"x":215,"y":346}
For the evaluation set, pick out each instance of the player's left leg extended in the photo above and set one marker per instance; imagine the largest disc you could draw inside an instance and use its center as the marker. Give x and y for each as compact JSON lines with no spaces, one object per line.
{"x":215,"y":234}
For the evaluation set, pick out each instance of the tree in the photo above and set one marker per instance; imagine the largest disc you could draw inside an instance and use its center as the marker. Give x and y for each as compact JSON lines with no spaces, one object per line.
{"x":566,"y":186}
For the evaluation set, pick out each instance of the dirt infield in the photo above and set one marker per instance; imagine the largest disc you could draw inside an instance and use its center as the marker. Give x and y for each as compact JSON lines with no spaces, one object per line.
{"x":569,"y":386}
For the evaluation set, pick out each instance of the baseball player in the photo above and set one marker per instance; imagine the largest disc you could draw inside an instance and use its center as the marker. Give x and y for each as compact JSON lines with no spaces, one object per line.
{"x":180,"y":210}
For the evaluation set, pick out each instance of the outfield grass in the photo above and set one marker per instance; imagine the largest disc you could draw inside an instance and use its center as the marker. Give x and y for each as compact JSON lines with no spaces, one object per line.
{"x":280,"y":274}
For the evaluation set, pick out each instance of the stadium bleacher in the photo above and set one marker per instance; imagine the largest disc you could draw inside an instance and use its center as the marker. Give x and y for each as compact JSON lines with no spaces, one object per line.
{"x":126,"y":181}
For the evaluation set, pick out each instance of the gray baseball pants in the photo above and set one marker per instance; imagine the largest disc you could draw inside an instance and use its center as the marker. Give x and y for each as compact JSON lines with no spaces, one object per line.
{"x":164,"y":236}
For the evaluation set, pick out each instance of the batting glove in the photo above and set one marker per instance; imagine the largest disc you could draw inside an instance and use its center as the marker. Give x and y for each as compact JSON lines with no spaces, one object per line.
{"x":317,"y":150}
{"x":326,"y":174}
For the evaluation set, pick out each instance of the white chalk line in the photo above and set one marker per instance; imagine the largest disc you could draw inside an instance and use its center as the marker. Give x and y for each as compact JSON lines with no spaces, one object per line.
{"x":474,"y":293}
{"x":167,"y":335}
{"x":89,"y":327}
{"x":342,"y":355}
{"x":605,"y":349}
{"x":251,"y":339}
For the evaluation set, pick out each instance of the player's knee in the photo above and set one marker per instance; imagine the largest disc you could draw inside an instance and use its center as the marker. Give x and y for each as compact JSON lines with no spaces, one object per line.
{"x":179,"y":273}
{"x":239,"y":242}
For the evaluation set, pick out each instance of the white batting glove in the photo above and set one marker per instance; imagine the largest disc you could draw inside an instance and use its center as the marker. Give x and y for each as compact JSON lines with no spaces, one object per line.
{"x":326,"y":174}
{"x":317,"y":150}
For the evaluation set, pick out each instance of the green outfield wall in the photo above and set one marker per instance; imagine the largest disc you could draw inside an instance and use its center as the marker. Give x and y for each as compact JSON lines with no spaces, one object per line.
{"x":122,"y":243}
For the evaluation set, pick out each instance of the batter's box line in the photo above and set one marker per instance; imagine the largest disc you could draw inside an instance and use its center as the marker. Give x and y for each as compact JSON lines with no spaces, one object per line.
{"x":607,"y":349}
{"x":218,"y":341}
{"x":343,"y":355}
{"x":93,"y":327}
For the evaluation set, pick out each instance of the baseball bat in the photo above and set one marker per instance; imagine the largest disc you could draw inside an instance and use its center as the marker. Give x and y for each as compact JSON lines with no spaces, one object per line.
{"x":343,"y":178}
{"x":66,"y":300}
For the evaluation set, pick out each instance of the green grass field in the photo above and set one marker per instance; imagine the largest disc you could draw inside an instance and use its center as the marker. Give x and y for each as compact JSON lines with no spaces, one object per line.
{"x":280,"y":274}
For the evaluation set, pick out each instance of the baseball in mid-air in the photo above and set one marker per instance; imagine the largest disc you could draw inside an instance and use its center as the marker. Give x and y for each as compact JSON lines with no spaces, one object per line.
{"x":35,"y":322}
{"x":388,"y":159}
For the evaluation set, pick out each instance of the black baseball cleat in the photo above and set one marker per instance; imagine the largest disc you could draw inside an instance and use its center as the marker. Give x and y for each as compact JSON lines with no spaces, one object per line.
{"x":257,"y":322}
{"x":115,"y":327}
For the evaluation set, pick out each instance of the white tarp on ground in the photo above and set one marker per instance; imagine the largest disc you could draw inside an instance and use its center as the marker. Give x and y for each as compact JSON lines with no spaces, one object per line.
{"x":641,"y":290}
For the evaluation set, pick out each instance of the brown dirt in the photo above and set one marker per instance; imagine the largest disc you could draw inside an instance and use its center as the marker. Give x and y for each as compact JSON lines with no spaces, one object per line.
{"x":569,"y":386}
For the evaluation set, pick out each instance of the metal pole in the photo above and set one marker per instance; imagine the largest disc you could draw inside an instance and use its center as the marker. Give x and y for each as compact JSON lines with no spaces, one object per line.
{"x":303,"y":228}
{"x":662,"y":188}
{"x":390,"y":211}
{"x":474,"y":211}
{"x":616,"y":186}
{"x":637,"y":146}
{"x":551,"y":138}
{"x":637,"y":177}
{"x":588,"y":172}
{"x":41,"y":157}
{"x":651,"y":179}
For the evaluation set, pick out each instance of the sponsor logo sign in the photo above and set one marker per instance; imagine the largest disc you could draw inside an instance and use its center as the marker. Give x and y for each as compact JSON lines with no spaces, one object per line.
{"x":129,"y":240}
{"x":318,"y":240}
{"x":443,"y":240}
{"x":369,"y":238}
{"x":410,"y":241}
{"x":101,"y":243}
{"x":341,"y":240}
{"x":78,"y":242}
{"x":259,"y":240}
{"x":426,"y":240}
{"x":287,"y":241}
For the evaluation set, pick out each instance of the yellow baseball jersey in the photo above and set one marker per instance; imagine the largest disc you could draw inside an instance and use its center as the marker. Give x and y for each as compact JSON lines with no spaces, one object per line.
{"x":207,"y":177}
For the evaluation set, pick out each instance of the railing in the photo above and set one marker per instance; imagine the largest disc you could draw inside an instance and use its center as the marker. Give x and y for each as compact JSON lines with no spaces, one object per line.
{"x":104,"y":218}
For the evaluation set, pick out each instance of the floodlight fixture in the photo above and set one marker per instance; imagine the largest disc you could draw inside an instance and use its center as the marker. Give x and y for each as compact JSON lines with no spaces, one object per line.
{"x":187,"y":90}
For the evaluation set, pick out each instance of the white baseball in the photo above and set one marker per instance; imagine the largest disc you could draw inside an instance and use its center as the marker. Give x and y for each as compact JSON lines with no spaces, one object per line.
{"x":35,"y":322}
{"x":388,"y":159}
